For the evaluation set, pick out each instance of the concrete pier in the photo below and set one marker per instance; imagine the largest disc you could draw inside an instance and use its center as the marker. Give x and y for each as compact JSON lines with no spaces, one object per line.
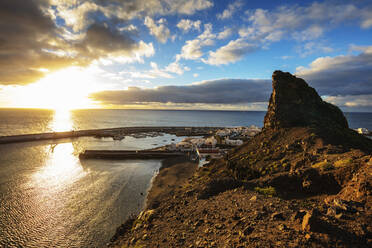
{"x":109,"y":132}
{"x":129,"y":154}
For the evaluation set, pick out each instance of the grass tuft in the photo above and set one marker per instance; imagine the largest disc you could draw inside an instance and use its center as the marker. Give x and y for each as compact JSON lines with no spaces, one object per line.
{"x":324,"y":165}
{"x":267,"y":191}
{"x":343,"y":163}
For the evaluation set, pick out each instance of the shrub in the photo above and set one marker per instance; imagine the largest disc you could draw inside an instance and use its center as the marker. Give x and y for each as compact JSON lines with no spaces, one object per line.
{"x":267,"y":191}
{"x":343,"y":162}
{"x":324,"y":165}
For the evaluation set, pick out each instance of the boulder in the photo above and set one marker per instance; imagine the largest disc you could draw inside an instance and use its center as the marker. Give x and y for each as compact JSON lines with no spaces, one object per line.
{"x":293,"y":103}
{"x":311,"y":221}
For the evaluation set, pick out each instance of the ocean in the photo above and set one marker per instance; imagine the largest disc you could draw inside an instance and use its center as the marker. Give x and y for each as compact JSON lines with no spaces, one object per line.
{"x":49,"y":198}
{"x":23,"y":121}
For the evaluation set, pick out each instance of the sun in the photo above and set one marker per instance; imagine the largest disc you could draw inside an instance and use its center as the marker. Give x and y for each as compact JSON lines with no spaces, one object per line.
{"x":63,"y":90}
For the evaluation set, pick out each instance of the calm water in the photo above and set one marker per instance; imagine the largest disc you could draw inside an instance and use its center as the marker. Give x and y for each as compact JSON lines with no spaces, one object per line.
{"x":49,"y":198}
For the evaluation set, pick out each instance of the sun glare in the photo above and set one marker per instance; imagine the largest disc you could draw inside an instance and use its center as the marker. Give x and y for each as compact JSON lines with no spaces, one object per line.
{"x":62,"y":90}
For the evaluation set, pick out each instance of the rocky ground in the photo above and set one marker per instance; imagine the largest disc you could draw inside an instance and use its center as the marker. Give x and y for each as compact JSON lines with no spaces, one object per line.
{"x":304,"y":181}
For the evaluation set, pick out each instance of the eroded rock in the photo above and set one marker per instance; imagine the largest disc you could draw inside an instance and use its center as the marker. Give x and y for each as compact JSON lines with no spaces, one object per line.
{"x":294,"y":104}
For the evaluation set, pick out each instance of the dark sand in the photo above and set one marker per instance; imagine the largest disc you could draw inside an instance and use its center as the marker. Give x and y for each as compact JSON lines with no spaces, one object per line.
{"x":173,"y":173}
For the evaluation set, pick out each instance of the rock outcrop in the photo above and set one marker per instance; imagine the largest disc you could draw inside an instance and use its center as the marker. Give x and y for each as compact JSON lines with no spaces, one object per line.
{"x":294,"y":104}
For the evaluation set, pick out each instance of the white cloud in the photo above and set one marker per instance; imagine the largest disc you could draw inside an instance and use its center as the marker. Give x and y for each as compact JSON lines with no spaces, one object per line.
{"x":312,"y":47}
{"x":192,"y":50}
{"x":187,"y":25}
{"x":189,"y":7}
{"x":311,"y":33}
{"x":156,"y":72}
{"x":232,"y":52}
{"x":227,"y":32}
{"x":231,"y":8}
{"x":158,"y":29}
{"x":130,"y":28}
{"x":195,"y":75}
{"x":176,"y":68}
{"x":302,"y":23}
{"x":207,"y":34}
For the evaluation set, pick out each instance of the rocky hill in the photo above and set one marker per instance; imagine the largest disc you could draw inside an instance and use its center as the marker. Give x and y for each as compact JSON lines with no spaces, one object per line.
{"x":304,"y":181}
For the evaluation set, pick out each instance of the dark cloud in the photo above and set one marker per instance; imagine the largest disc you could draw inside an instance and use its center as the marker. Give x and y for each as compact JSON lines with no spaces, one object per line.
{"x":30,"y":42}
{"x":222,"y":91}
{"x":341,"y":75}
{"x":25,"y":33}
{"x":100,"y":40}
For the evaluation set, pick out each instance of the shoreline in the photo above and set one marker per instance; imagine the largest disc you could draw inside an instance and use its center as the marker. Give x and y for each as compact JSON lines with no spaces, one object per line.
{"x":173,"y":173}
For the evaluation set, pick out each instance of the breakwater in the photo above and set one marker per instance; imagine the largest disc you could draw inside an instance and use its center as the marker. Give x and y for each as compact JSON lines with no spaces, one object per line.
{"x":129,"y":154}
{"x":110,"y":132}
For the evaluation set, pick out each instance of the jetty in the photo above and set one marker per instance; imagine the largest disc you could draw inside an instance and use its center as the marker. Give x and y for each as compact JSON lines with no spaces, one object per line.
{"x":110,"y":132}
{"x":129,"y":154}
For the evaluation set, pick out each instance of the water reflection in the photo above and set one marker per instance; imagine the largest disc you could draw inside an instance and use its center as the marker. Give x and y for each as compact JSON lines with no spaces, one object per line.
{"x":61,"y":168}
{"x":61,"y":121}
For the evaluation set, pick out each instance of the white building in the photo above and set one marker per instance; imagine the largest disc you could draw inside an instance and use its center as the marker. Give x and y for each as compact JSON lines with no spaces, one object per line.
{"x":223,"y":132}
{"x":184,"y":146}
{"x":211,"y":141}
{"x":233,"y":142}
{"x":197,"y":142}
{"x":362,"y":130}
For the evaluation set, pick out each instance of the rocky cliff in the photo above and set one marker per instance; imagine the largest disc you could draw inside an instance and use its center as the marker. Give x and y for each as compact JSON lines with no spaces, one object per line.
{"x":294,"y":104}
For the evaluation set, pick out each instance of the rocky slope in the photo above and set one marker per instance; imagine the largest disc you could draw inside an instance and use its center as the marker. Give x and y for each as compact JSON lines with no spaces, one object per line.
{"x":304,"y":181}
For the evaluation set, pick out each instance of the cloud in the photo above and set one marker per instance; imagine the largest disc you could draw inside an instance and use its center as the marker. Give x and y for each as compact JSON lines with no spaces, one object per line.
{"x":158,"y":29}
{"x":226,"y":33}
{"x":221,"y":91}
{"x":234,"y":51}
{"x":231,"y":8}
{"x":311,"y":47}
{"x":41,"y":36}
{"x":187,"y":25}
{"x":341,"y":75}
{"x":176,"y":68}
{"x":155,"y":71}
{"x":351,"y":101}
{"x":303,"y":23}
{"x":78,"y":14}
{"x":192,"y":50}
{"x":27,"y":34}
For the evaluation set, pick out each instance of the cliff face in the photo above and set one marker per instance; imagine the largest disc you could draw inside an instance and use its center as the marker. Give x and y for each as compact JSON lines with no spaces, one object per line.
{"x":294,"y":104}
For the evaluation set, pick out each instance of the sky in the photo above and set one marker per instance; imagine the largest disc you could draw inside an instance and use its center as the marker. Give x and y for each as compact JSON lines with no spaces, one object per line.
{"x":181,"y":54}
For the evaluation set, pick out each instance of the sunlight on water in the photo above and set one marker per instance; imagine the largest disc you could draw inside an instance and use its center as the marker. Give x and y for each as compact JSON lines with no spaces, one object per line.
{"x":61,"y":121}
{"x":61,"y":168}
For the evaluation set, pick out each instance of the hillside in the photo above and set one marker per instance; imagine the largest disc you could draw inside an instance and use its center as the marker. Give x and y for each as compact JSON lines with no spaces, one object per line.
{"x":304,"y":181}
